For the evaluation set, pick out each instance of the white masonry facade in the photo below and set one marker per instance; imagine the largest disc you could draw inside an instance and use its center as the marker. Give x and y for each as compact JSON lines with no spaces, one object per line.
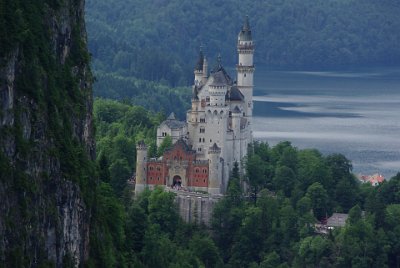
{"x":217,"y":131}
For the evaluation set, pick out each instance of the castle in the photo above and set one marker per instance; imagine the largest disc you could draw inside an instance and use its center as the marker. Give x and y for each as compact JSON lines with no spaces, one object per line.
{"x":216,"y":133}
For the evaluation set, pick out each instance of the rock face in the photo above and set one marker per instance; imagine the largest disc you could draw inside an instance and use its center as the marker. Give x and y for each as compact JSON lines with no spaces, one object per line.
{"x":46,"y":135}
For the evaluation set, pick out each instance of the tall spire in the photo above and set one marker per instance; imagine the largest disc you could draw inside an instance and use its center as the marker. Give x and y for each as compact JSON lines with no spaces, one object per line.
{"x":246,"y":25}
{"x":218,"y":66}
{"x":200,"y":62}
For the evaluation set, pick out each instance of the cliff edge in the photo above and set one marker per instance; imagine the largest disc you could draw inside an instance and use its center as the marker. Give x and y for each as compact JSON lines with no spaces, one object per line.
{"x":46,"y":134}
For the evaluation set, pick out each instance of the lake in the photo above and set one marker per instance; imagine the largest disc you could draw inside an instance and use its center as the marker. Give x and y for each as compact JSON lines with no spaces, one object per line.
{"x":353,"y":112}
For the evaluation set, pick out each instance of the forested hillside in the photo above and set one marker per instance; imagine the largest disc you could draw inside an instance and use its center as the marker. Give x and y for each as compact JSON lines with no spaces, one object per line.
{"x":271,"y":225}
{"x":159,"y":40}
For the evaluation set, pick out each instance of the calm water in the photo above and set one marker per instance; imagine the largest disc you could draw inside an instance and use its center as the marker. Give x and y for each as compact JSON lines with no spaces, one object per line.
{"x":356,"y":113}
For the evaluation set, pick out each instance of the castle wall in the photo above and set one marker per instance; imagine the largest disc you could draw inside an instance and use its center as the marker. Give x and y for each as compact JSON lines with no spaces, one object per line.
{"x":195,"y":207}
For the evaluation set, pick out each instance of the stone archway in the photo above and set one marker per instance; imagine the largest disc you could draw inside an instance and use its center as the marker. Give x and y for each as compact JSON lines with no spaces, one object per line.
{"x":177,"y":181}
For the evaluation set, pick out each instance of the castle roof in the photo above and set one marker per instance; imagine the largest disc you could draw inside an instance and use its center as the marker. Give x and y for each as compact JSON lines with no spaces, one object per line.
{"x":220,"y":76}
{"x":245,"y":33}
{"x":236,"y":110}
{"x":171,"y":116}
{"x":181,"y":143}
{"x":172,"y":123}
{"x":234,"y":94}
{"x":214,"y":148}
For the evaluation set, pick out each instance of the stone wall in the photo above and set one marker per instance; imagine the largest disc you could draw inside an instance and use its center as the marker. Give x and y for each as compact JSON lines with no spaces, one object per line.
{"x":195,"y":207}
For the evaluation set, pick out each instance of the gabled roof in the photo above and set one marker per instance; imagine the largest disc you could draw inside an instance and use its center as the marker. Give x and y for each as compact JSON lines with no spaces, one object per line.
{"x":215,"y":147}
{"x":182,"y":144}
{"x":171,"y":116}
{"x":236,"y":110}
{"x":234,"y":94}
{"x":219,"y":75}
{"x":172,"y":123}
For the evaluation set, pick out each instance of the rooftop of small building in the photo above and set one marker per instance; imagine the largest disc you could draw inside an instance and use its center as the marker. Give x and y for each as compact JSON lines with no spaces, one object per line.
{"x":337,"y":220}
{"x":173,"y":123}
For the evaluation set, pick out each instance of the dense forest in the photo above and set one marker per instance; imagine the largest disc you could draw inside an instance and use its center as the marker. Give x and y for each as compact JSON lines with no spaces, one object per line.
{"x":270,"y":225}
{"x":64,"y":205}
{"x":159,"y":40}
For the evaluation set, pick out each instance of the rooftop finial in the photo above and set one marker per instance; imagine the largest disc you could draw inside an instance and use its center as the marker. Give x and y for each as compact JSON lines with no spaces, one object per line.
{"x":246,"y":25}
{"x":219,"y":58}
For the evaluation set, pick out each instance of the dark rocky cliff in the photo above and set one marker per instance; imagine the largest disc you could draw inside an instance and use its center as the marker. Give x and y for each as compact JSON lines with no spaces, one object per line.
{"x":46,"y":134}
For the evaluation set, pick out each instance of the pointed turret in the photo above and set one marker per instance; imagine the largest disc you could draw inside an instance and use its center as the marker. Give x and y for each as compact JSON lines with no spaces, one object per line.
{"x":199,"y":69}
{"x":245,"y":33}
{"x":200,"y":61}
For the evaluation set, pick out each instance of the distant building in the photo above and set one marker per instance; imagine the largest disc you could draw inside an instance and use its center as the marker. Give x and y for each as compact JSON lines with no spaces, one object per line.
{"x":374,"y":180}
{"x":216,"y":133}
{"x":335,"y":221}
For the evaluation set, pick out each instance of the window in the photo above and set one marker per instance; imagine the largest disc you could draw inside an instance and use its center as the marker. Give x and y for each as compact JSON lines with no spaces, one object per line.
{"x":199,"y":149}
{"x":202,"y":130}
{"x":202,"y":120}
{"x":204,"y":140}
{"x":199,"y":139}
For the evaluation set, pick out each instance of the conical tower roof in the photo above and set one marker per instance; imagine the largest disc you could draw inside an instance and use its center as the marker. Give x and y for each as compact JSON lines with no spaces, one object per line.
{"x":245,"y":33}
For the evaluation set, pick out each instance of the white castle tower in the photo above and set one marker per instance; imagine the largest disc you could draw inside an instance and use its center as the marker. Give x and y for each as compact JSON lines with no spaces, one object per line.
{"x":245,"y":70}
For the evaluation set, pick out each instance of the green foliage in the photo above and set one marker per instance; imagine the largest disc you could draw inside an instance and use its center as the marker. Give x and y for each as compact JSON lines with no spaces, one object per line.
{"x":119,"y":127}
{"x":278,"y":229}
{"x":165,"y":144}
{"x":162,"y":210}
{"x":274,"y":230}
{"x":150,"y":95}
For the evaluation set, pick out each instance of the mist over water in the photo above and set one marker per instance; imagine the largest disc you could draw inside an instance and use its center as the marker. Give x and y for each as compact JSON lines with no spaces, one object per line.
{"x":356,"y":113}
